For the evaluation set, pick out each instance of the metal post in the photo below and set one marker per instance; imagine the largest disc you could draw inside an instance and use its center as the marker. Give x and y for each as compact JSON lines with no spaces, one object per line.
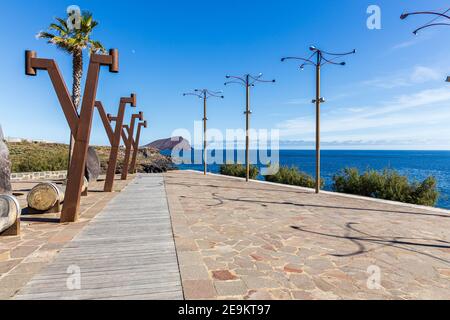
{"x":247,"y":132}
{"x":205,"y":119}
{"x":205,"y":94}
{"x":114,"y":136}
{"x":318,"y":100}
{"x":136,"y":146}
{"x":130,"y":144}
{"x":323,"y":58}
{"x":80,"y":125}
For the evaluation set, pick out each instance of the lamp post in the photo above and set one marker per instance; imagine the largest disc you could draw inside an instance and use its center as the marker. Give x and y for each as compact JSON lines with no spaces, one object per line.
{"x":247,"y":81}
{"x":432,"y":23}
{"x":322,"y":58}
{"x":205,"y":94}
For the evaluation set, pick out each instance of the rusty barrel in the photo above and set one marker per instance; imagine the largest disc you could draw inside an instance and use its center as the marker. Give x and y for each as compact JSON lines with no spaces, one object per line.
{"x":45,"y":196}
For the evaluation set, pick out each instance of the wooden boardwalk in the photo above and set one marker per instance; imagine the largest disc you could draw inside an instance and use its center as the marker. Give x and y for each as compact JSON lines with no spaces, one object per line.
{"x":126,"y":252}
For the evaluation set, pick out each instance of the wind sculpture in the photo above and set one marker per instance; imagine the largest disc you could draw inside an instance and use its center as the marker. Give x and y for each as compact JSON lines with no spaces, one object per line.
{"x":114,"y":136}
{"x":127,"y":135}
{"x":79,"y":124}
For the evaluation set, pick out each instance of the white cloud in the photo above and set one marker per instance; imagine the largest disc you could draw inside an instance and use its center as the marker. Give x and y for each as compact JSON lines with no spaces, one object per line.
{"x":418,"y":75}
{"x":424,"y":114}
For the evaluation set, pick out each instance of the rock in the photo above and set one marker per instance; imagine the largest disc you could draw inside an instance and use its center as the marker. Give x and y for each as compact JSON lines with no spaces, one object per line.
{"x":9,"y":212}
{"x":169,"y":144}
{"x":160,"y":165}
{"x":93,"y":168}
{"x":5,"y":167}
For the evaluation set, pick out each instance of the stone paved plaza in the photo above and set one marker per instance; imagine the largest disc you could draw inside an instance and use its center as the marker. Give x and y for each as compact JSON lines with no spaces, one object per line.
{"x":260,"y":241}
{"x":222,"y":238}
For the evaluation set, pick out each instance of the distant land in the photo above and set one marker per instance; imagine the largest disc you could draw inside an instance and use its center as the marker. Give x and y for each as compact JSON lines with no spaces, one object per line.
{"x":170,"y":144}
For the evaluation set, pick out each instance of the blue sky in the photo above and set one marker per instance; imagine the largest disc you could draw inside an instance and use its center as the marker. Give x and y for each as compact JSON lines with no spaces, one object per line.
{"x":391,"y":94}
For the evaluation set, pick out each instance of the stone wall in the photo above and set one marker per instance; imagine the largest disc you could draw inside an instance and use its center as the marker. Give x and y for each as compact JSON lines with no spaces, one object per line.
{"x":30,"y":176}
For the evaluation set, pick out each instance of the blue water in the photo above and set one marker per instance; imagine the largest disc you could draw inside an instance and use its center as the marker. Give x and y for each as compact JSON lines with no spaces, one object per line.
{"x":416,"y":165}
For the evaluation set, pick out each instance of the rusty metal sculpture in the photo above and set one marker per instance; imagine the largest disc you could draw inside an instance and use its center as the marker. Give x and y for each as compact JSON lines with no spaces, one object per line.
{"x":114,"y":136}
{"x":80,"y":124}
{"x":136,"y":146}
{"x":129,"y":142}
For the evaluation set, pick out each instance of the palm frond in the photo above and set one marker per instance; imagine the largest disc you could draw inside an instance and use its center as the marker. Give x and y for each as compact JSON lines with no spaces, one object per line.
{"x":58,"y":28}
{"x":73,"y":40}
{"x":45,"y":35}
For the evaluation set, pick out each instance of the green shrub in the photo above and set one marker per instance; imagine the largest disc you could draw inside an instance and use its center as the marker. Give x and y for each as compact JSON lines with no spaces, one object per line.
{"x":294,"y":177}
{"x":388,"y":185}
{"x":38,"y":157}
{"x":239,"y":170}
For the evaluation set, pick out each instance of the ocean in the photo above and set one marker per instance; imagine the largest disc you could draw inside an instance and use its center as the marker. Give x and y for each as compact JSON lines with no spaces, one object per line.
{"x":416,"y":165}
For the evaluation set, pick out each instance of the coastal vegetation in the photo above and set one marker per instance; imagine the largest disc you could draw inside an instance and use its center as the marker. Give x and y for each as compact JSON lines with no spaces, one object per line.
{"x":239,"y":170}
{"x":388,"y":185}
{"x":39,"y":157}
{"x":293,"y":176}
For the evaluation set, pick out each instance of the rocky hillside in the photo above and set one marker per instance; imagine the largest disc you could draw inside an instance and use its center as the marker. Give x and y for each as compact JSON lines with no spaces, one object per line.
{"x":170,"y":143}
{"x":149,"y":160}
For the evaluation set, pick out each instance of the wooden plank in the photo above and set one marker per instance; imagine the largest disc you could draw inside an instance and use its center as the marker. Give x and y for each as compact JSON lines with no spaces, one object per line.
{"x":126,"y":252}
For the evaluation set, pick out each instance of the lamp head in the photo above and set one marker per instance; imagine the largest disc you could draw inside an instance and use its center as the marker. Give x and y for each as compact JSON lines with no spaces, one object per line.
{"x":312,"y":48}
{"x":404,"y":16}
{"x":145,"y":124}
{"x":141,"y":116}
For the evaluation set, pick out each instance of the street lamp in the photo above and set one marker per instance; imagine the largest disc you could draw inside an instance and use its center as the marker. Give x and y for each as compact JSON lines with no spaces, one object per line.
{"x":248,"y":81}
{"x":205,"y":94}
{"x":431,"y":23}
{"x":322,"y":58}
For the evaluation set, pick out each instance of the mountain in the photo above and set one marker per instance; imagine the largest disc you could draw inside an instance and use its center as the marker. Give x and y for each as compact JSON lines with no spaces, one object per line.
{"x":170,"y":144}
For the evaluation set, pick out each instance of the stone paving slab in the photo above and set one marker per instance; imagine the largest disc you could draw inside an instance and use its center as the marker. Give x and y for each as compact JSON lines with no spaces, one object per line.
{"x":126,"y":252}
{"x":238,"y":240}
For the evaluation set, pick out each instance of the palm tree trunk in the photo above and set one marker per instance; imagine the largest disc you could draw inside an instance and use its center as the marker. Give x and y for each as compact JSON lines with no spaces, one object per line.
{"x":77,"y":64}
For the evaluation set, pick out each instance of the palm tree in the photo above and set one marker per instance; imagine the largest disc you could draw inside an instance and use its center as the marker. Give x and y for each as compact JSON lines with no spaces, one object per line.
{"x":73,"y":41}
